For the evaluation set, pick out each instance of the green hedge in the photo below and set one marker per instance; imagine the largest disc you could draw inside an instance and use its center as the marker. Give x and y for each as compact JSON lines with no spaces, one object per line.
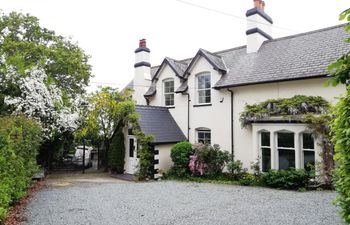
{"x":20,"y":139}
{"x":117,"y":153}
{"x":341,"y":131}
{"x":180,"y":155}
{"x":287,"y":179}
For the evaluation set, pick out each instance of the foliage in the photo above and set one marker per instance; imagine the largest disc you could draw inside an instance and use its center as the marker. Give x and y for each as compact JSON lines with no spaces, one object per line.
{"x":44,"y":103}
{"x":341,"y":138}
{"x":208,"y":160}
{"x":117,"y":152}
{"x":287,"y":179}
{"x":20,"y":139}
{"x":144,"y":170}
{"x":340,"y":126}
{"x":294,"y":106}
{"x":236,"y":169}
{"x":340,"y":70}
{"x":107,"y":110}
{"x":180,"y":155}
{"x":319,"y":126}
{"x":42,"y":74}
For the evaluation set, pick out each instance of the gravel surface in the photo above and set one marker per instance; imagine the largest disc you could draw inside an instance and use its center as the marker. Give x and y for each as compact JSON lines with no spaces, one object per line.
{"x":169,"y":202}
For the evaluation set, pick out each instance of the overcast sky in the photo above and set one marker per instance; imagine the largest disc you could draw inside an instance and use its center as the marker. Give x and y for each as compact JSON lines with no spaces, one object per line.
{"x":109,"y":30}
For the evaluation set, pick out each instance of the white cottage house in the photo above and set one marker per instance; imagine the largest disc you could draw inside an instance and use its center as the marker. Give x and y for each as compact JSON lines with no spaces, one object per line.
{"x":200,"y":99}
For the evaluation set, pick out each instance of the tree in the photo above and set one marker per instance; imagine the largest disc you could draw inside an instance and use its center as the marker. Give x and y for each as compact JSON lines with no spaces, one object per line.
{"x":33,"y":57}
{"x":341,"y":127}
{"x":108,"y":110}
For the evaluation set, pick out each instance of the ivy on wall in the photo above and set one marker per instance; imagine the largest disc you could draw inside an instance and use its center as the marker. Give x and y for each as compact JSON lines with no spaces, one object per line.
{"x":298,"y":105}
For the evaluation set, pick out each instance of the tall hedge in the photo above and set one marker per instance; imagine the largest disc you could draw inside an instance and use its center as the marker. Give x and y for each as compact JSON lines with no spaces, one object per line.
{"x":20,"y":139}
{"x":341,"y":138}
{"x":117,"y":152}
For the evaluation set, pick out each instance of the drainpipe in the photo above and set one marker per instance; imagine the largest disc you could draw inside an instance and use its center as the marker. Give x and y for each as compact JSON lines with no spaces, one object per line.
{"x":232,"y":139}
{"x":147,"y":100}
{"x":188,"y":115}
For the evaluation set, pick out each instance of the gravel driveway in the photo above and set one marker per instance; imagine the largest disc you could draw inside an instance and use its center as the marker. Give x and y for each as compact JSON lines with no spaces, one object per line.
{"x":169,"y":202}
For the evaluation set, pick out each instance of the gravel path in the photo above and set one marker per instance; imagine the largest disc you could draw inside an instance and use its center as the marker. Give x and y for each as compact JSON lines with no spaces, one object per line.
{"x":170,"y":202}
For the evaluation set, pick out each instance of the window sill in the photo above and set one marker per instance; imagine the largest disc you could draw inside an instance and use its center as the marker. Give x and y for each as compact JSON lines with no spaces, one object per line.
{"x":202,"y":105}
{"x":170,"y":107}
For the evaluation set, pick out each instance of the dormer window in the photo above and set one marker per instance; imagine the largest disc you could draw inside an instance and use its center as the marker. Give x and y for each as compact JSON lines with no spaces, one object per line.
{"x":168,"y":92}
{"x":203,"y":88}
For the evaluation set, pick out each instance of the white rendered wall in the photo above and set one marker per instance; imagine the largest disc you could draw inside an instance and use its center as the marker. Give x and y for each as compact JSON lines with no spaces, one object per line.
{"x":243,"y":137}
{"x":179,"y":113}
{"x":142,"y":78}
{"x":165,"y":162}
{"x":254,"y":41}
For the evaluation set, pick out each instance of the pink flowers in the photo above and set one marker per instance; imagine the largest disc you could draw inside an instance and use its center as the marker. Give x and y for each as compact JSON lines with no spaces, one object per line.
{"x":197,"y":167}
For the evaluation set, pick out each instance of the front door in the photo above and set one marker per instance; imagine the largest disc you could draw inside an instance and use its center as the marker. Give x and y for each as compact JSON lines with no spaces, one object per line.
{"x":132,"y":155}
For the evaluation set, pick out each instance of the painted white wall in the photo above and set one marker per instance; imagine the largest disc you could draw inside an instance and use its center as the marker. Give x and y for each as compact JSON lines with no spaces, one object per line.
{"x":179,"y":113}
{"x":243,"y":137}
{"x":217,"y":116}
{"x":142,"y":78}
{"x":165,"y":162}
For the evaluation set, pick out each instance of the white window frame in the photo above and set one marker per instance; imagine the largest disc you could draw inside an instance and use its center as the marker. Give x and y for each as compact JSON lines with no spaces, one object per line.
{"x":205,"y":131}
{"x":168,"y":93}
{"x":302,"y":149}
{"x":263,"y":146}
{"x":285,"y":148}
{"x":203,"y":89}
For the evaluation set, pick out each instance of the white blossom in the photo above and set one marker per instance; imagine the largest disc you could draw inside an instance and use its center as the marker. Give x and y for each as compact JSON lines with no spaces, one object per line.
{"x":43,"y":103}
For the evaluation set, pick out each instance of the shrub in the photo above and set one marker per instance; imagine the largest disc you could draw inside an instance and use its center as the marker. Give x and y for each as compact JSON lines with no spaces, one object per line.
{"x":287,"y":179}
{"x":208,"y":160}
{"x":180,"y":155}
{"x":247,"y":179}
{"x":20,"y":139}
{"x":117,"y":152}
{"x":341,"y":131}
{"x":236,"y":169}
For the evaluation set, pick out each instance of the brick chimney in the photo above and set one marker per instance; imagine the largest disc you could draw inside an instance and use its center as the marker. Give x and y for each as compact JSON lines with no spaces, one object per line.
{"x":259,"y":27}
{"x":142,"y":77}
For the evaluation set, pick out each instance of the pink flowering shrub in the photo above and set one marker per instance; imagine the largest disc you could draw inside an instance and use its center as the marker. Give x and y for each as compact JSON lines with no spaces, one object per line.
{"x":208,"y":160}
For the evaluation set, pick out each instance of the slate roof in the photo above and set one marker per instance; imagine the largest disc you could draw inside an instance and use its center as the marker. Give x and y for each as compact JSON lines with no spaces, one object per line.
{"x":157,"y":121}
{"x":301,"y":56}
{"x":295,"y":57}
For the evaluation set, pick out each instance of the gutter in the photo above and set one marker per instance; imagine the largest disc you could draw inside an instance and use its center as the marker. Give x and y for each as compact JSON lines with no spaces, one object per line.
{"x":232,"y":139}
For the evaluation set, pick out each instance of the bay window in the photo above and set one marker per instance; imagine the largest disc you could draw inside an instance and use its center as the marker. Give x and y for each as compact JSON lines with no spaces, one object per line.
{"x":286,"y":150}
{"x":308,"y":148}
{"x":265,"y":148}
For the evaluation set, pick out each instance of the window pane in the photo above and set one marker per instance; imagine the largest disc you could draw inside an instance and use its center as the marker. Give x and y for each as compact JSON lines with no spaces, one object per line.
{"x":169,"y":86}
{"x":207,"y":81}
{"x":200,"y":135}
{"x":204,"y":137}
{"x":201,"y":82}
{"x":131,"y":147}
{"x":169,"y":99}
{"x":286,"y":140}
{"x":309,"y":159}
{"x":308,"y":141}
{"x":266,"y":159}
{"x":286,"y":159}
{"x":265,"y":138}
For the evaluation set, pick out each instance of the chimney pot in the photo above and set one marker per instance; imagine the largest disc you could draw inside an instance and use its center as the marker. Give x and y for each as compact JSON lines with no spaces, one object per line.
{"x":263,"y":5}
{"x":257,"y":4}
{"x":142,"y":43}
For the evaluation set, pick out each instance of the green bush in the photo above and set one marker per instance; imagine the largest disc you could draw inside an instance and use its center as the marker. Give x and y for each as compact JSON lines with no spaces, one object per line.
{"x":341,"y":131}
{"x":117,"y":153}
{"x":287,"y":179}
{"x":236,"y":169}
{"x":180,"y":155}
{"x":20,"y":139}
{"x":208,"y":160}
